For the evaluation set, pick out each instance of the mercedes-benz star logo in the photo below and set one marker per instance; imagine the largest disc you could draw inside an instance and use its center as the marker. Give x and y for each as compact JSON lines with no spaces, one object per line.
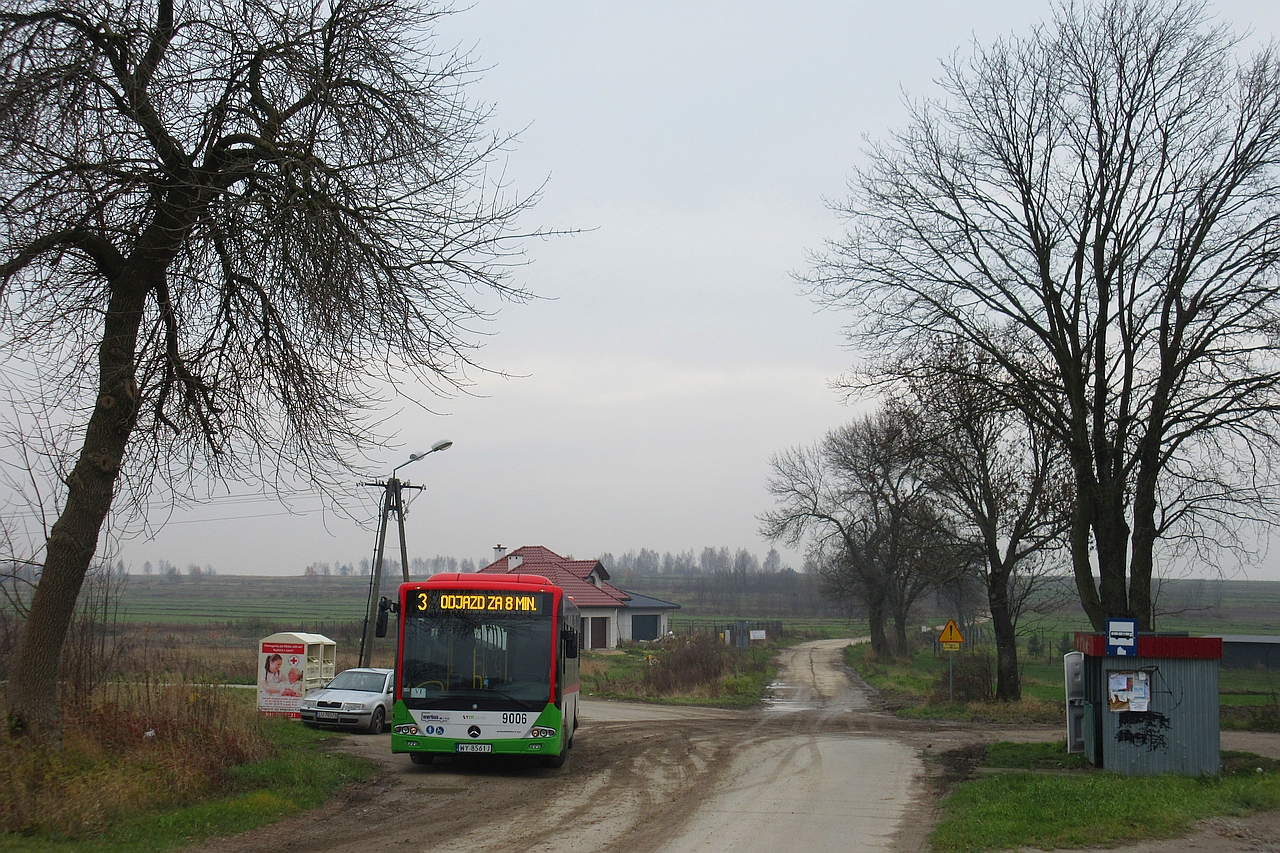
{"x":474,"y":731}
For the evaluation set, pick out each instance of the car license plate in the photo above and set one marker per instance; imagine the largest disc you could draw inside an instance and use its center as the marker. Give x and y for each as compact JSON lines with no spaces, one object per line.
{"x":474,"y":747}
{"x":326,"y":715}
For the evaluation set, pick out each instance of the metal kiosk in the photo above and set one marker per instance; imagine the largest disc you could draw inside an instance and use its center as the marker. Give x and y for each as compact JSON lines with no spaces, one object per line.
{"x":1150,"y":705}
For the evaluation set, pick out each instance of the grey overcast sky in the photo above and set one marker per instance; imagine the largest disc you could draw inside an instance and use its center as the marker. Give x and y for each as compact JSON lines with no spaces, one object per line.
{"x":671,"y":353}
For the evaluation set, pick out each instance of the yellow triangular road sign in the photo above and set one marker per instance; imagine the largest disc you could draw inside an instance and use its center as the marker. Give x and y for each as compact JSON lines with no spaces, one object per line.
{"x":951,"y":634}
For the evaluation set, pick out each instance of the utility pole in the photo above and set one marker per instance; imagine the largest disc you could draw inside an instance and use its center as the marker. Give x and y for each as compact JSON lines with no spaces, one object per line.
{"x":392,"y":501}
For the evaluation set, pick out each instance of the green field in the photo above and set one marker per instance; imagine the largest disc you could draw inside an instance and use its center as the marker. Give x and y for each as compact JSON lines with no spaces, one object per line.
{"x":236,"y":598}
{"x":318,"y":600}
{"x":1200,"y":607}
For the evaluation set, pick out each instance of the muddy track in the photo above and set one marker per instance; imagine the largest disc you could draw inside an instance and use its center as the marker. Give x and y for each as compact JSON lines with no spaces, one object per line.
{"x":817,"y":767}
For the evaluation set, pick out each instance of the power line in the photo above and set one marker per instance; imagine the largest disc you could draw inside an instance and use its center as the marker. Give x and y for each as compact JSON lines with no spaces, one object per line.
{"x":239,"y":517}
{"x":193,"y":505}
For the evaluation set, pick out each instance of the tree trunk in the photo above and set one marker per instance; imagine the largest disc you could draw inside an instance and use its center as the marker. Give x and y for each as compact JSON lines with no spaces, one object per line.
{"x":1111,"y":541}
{"x":32,"y":698}
{"x":1082,"y":567}
{"x":879,"y":641}
{"x":1008,"y":682}
{"x":900,"y":630}
{"x":1142,"y":563}
{"x":1145,"y":533}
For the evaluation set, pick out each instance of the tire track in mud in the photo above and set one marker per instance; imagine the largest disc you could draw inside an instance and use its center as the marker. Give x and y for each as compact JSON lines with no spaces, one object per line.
{"x":644,"y":779}
{"x":623,"y":783}
{"x":651,"y":781}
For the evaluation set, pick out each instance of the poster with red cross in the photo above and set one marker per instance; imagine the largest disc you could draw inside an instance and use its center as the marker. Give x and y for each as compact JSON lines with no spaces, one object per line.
{"x":280,"y":677}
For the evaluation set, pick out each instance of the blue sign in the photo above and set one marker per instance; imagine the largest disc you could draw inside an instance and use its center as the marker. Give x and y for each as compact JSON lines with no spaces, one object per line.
{"x":1122,"y":638}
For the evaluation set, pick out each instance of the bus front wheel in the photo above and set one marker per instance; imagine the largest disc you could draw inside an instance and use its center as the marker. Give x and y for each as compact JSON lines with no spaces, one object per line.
{"x":553,"y":761}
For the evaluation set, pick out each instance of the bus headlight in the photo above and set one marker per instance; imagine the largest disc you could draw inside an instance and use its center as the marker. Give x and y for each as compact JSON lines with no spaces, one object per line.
{"x":405,"y":730}
{"x":542,"y":731}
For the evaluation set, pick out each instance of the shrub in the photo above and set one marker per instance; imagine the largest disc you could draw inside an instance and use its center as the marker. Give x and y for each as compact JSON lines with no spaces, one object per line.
{"x":974,"y":678}
{"x":697,"y":662}
{"x":143,"y":747}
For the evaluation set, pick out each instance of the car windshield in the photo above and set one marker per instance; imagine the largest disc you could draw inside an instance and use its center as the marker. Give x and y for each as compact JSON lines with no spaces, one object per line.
{"x":487,"y":661}
{"x":364,"y":682}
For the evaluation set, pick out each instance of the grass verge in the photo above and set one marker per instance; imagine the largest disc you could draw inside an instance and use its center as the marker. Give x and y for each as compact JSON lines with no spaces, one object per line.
{"x":1085,"y":809}
{"x":916,"y":687}
{"x":300,"y":775}
{"x":1043,"y":755}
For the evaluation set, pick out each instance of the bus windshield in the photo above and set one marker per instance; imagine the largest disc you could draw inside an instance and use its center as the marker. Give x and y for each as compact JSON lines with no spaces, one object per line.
{"x":458,"y":657}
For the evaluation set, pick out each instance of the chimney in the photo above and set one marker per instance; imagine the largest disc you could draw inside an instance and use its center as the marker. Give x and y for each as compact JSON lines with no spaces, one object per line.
{"x":514,"y":562}
{"x":498,"y":553}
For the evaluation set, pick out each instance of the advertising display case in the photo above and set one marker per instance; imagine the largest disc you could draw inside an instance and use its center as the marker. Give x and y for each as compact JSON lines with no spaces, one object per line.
{"x":289,"y":665}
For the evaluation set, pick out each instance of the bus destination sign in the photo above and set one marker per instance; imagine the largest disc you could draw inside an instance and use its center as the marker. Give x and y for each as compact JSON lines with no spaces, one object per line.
{"x":477,"y":601}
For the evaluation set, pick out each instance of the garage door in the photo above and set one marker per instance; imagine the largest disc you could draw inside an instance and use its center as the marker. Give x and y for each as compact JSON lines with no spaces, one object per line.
{"x":644,"y":627}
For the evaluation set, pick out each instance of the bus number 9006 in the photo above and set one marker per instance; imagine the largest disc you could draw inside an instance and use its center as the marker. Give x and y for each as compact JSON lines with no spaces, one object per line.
{"x":515,"y":719}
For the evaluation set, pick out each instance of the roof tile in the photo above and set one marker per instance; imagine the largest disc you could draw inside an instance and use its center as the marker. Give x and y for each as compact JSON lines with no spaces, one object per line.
{"x":569,"y":575}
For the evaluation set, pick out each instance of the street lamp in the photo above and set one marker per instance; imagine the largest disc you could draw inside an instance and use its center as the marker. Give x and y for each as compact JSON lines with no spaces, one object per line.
{"x":392,"y":501}
{"x":443,"y":444}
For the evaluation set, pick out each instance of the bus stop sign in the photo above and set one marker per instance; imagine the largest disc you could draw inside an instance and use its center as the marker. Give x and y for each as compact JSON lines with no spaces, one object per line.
{"x":1122,"y":637}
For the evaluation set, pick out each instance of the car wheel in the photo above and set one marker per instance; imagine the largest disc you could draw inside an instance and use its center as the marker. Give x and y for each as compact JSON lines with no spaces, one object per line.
{"x":421,"y":757}
{"x":376,"y":724}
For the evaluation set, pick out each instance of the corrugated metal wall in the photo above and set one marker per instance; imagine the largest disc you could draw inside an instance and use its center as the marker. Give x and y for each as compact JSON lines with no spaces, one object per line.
{"x":1180,"y":732}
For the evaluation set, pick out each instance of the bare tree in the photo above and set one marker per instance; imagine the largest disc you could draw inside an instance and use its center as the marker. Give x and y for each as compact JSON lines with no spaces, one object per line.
{"x":860,"y":502}
{"x":1094,"y":208}
{"x":1002,"y":479}
{"x":222,"y":232}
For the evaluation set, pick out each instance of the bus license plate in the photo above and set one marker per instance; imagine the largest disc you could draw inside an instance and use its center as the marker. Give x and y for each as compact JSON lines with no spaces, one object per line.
{"x":474,"y":747}
{"x":326,"y":715}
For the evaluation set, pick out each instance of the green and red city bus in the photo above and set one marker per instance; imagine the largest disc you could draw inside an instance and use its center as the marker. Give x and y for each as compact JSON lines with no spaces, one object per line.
{"x":486,"y":664}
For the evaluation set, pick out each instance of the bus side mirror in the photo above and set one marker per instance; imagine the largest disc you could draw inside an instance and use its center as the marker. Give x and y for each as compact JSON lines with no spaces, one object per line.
{"x":570,"y":640}
{"x":385,"y":606}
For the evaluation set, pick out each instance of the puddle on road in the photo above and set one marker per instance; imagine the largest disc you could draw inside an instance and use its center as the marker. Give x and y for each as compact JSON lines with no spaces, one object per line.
{"x":783,"y":697}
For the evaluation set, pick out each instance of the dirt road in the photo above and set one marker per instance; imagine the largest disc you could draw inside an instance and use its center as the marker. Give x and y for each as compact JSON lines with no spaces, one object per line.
{"x":801,"y":774}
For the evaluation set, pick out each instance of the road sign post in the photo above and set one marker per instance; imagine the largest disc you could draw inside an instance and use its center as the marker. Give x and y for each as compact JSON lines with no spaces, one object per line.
{"x":951,"y":638}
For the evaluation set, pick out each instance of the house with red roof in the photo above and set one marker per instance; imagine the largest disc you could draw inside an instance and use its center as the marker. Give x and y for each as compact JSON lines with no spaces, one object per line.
{"x":609,"y":614}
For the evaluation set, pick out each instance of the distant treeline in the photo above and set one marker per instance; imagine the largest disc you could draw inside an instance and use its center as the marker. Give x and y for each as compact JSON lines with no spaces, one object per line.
{"x":644,"y":562}
{"x":418,"y":566}
{"x":722,"y":582}
{"x":712,"y":561}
